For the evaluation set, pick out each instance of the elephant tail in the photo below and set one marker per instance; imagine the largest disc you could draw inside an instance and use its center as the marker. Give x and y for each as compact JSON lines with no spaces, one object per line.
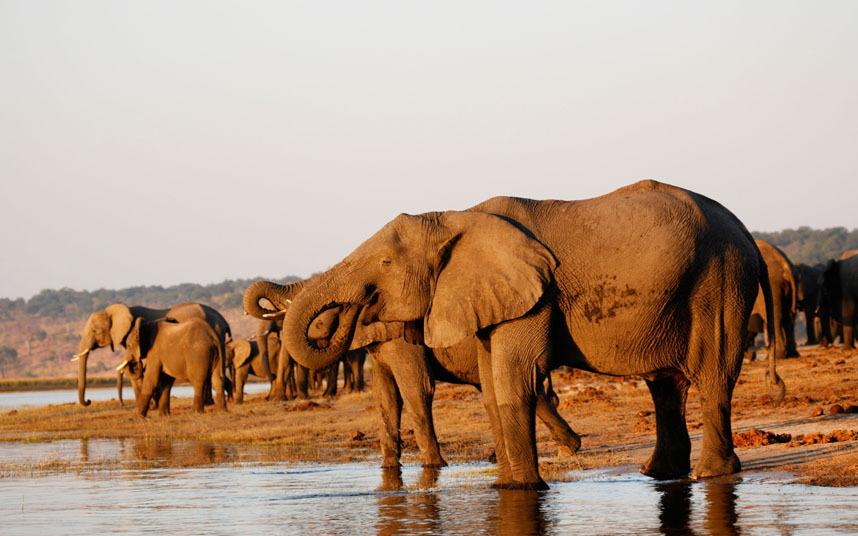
{"x":772,"y":373}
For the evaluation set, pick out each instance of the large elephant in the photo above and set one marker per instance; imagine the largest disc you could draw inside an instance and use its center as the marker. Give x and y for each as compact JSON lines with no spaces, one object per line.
{"x":839,"y":294}
{"x":187,"y":351}
{"x":650,"y":280}
{"x":111,"y":325}
{"x":784,"y":289}
{"x":407,"y":372}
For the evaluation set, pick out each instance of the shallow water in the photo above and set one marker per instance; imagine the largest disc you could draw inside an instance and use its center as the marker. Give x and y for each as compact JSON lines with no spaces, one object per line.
{"x":195,"y":488}
{"x":20,"y":399}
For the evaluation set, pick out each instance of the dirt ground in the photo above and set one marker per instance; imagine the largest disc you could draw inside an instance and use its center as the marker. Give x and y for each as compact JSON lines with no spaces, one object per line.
{"x":813,"y":434}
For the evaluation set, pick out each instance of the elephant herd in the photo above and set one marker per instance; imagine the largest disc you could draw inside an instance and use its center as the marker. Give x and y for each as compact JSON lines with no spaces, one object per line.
{"x":650,"y":280}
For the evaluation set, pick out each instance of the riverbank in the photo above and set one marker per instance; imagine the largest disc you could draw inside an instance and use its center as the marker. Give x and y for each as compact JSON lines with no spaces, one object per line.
{"x":63,"y":382}
{"x":615,"y":415}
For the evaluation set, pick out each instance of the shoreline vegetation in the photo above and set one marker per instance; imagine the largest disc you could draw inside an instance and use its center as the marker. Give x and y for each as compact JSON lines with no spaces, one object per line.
{"x":57,"y":383}
{"x":812,"y":434}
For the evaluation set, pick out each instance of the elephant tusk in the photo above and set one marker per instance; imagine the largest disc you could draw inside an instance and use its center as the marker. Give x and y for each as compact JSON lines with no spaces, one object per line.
{"x":123,"y":365}
{"x":79,"y":355}
{"x":278,"y":314}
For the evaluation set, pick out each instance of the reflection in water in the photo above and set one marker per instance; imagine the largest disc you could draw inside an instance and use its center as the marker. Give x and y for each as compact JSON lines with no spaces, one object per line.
{"x":720,"y":506}
{"x":674,"y":506}
{"x":520,"y":512}
{"x":402,"y":512}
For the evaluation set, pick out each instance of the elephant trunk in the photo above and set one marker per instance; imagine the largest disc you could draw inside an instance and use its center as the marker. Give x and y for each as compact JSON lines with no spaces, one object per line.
{"x":306,"y":307}
{"x":81,"y":378}
{"x":280,"y":296}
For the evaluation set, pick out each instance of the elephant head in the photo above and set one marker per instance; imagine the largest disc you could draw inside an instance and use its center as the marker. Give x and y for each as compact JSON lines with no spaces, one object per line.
{"x":239,"y":352}
{"x":108,"y":327}
{"x":454,"y":272}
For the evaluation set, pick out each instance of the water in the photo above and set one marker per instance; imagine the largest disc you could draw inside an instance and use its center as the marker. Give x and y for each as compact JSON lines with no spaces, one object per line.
{"x":20,"y":399}
{"x":140,"y":487}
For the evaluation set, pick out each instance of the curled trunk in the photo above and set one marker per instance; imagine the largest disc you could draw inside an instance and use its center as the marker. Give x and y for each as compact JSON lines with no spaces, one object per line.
{"x":279,"y":295}
{"x":304,"y":310}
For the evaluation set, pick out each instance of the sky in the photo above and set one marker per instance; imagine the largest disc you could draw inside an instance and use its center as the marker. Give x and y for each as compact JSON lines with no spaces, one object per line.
{"x":163,"y":142}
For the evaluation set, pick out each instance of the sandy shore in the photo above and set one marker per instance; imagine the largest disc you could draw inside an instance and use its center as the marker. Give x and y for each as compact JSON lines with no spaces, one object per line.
{"x":614,"y":415}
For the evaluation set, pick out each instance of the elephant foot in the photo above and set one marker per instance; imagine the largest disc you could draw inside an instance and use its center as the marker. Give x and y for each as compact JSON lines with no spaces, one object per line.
{"x":390,"y":463}
{"x":540,"y":485}
{"x":435,"y":464}
{"x":711,"y":465}
{"x":666,"y":467}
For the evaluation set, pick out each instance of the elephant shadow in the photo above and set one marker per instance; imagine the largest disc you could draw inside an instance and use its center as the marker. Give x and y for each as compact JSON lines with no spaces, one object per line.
{"x":675,"y":507}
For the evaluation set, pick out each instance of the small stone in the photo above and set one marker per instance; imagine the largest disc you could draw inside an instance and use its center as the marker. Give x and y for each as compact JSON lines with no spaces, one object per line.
{"x":644,"y":413}
{"x":817,"y":411}
{"x":852,"y":408}
{"x":357,"y":435}
{"x":835,"y":409}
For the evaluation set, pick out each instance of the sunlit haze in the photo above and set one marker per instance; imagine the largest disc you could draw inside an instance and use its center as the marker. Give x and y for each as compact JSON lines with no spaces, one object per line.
{"x":167,"y":142}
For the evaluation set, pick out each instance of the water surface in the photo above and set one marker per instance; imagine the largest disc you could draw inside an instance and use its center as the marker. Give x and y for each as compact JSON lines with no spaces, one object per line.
{"x":140,"y":487}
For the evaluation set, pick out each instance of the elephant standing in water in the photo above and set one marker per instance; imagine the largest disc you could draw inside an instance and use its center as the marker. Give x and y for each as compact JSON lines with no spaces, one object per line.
{"x":406,"y":372}
{"x":839,"y":294}
{"x":650,"y":280}
{"x":187,"y":351}
{"x":784,"y":290}
{"x":111,"y":326}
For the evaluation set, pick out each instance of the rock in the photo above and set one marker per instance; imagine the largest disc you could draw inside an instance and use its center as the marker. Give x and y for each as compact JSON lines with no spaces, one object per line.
{"x":817,"y":411}
{"x":852,"y":408}
{"x":836,"y":409}
{"x":757,"y":438}
{"x":357,"y":435}
{"x":644,"y":413}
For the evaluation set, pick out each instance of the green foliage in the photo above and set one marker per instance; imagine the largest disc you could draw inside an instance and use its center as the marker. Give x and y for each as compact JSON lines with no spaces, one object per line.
{"x":812,"y":246}
{"x":72,"y":304}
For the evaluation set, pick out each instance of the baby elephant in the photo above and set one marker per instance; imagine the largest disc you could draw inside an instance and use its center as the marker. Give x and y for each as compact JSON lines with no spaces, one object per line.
{"x":187,"y":351}
{"x":244,"y":358}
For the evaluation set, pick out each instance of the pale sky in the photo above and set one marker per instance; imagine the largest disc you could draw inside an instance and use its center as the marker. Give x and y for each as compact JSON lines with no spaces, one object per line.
{"x":168,"y":142}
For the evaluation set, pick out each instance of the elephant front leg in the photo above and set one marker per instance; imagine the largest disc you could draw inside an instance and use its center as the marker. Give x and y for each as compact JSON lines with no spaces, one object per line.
{"x":165,"y":385}
{"x":516,"y":349}
{"x":848,"y":323}
{"x":278,"y":386}
{"x":672,"y":455}
{"x":390,"y":404}
{"x":417,"y":387}
{"x":240,"y":379}
{"x":484,"y":361}
{"x":150,"y":383}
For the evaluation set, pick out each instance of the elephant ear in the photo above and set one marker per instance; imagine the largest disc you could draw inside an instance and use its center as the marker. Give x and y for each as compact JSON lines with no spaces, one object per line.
{"x":133,"y":342}
{"x":243,"y":352}
{"x":120,"y":323}
{"x":489,"y":271}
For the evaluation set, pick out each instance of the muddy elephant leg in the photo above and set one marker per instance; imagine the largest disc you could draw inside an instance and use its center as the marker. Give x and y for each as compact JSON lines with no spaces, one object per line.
{"x":241,"y":374}
{"x":150,"y":383}
{"x":302,"y":381}
{"x":331,"y":375}
{"x":390,"y":404}
{"x":415,"y":383}
{"x":789,"y":331}
{"x":280,"y":383}
{"x":672,"y":455}
{"x":484,"y":360}
{"x":360,"y":384}
{"x":165,"y":384}
{"x":848,"y":323}
{"x":217,"y":379}
{"x":564,"y":435}
{"x":810,"y":324}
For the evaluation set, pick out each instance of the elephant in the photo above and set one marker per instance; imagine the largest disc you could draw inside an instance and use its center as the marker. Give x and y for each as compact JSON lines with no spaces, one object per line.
{"x":187,"y":351}
{"x":839,"y":294}
{"x":785,"y":292}
{"x":406,"y":372}
{"x":808,"y":296}
{"x":650,"y":280}
{"x":245,"y":357}
{"x":111,"y":325}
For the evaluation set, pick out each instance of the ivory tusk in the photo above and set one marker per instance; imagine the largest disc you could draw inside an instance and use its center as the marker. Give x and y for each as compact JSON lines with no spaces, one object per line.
{"x":75,"y":358}
{"x":79,"y":355}
{"x":278,"y":314}
{"x":122,"y":365}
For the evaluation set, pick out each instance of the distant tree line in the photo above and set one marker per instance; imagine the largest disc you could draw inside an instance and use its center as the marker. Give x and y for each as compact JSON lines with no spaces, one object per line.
{"x":812,"y":246}
{"x":68,"y":303}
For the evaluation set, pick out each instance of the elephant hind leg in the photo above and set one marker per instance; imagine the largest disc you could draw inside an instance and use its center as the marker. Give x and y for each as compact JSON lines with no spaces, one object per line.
{"x":165,"y":384}
{"x":672,"y":455}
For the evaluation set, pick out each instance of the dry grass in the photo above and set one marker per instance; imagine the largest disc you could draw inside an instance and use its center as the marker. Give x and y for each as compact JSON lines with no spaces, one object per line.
{"x":614,"y":414}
